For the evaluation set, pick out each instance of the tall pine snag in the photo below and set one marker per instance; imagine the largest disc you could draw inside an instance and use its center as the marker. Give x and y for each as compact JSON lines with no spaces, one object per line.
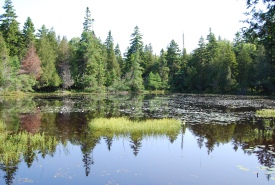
{"x":31,"y":64}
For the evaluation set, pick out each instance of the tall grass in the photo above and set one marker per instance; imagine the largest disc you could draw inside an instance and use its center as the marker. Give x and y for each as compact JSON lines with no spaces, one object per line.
{"x":266,"y":113}
{"x":124,"y":126}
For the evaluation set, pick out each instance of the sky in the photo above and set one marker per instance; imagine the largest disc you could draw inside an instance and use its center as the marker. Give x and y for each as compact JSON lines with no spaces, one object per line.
{"x":159,"y":21}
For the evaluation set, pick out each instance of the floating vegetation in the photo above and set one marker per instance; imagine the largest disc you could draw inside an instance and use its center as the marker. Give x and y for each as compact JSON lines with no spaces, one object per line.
{"x":124,"y":126}
{"x":267,"y":113}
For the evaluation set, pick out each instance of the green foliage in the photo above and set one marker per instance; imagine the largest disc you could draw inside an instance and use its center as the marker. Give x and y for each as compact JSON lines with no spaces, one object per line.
{"x":261,"y":31}
{"x":10,"y":28}
{"x":163,"y":70}
{"x":226,"y":67}
{"x":112,"y":66}
{"x":92,"y":63}
{"x":133,"y":76}
{"x":154,"y":81}
{"x":48,"y":56}
{"x":28,"y":35}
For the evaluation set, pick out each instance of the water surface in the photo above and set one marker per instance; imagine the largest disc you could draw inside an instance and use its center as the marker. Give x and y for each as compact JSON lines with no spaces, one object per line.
{"x":221,"y":141}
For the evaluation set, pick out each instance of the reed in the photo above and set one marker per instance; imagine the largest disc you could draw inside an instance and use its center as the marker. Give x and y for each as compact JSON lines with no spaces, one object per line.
{"x":124,"y":126}
{"x":265,"y":113}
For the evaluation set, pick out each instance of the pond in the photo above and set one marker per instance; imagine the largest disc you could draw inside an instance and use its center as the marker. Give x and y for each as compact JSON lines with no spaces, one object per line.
{"x":220,"y":140}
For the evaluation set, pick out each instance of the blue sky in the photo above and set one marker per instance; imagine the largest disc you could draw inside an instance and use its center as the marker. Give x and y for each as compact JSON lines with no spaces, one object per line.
{"x":159,"y":21}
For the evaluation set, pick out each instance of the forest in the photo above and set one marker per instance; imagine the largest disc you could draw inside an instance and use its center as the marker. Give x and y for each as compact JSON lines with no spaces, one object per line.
{"x":39,"y":60}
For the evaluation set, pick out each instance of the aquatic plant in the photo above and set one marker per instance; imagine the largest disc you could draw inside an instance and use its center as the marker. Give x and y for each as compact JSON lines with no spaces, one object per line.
{"x":265,"y":113}
{"x":124,"y":126}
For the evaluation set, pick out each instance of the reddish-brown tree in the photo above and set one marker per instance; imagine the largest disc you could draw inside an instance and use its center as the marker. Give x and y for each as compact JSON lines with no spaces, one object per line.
{"x":31,"y":64}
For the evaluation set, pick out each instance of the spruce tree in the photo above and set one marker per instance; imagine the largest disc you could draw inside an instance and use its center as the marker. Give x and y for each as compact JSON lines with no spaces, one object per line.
{"x":28,"y":32}
{"x":112,"y":66}
{"x":91,"y":59}
{"x":9,"y":27}
{"x":133,"y":70}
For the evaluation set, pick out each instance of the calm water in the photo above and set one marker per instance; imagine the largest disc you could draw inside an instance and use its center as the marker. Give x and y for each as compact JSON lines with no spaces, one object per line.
{"x":220,"y":142}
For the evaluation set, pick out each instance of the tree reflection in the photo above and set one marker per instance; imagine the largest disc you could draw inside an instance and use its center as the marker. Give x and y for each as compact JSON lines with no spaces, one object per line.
{"x":10,"y":170}
{"x":30,"y":122}
{"x":135,"y":140}
{"x":109,"y":142}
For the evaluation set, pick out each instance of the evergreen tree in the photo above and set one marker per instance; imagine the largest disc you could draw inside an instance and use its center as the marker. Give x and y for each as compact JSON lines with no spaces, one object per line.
{"x":112,"y":66}
{"x":28,"y":33}
{"x":9,"y":27}
{"x":88,"y":21}
{"x":133,"y":77}
{"x":261,"y":30}
{"x":245,"y":65}
{"x":196,"y":73}
{"x":163,"y":70}
{"x":226,"y":67}
{"x":4,"y":58}
{"x":173,"y":62}
{"x":211,"y":65}
{"x":154,"y":81}
{"x":90,"y":59}
{"x":119,"y":59}
{"x":48,"y":56}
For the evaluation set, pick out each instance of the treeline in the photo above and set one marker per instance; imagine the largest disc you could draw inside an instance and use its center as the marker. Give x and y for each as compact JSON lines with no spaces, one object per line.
{"x":38,"y":60}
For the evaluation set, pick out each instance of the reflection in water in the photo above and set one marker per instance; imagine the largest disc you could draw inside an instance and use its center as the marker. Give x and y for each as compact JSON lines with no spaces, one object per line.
{"x":65,"y":120}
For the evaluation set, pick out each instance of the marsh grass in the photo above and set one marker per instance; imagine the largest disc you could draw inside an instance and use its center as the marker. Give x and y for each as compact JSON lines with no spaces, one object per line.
{"x":265,"y":113}
{"x":14,"y":145}
{"x":124,"y":126}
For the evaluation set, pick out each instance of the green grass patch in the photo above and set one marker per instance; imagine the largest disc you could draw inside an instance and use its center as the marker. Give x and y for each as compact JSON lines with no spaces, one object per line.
{"x":124,"y":126}
{"x":266,"y":113}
